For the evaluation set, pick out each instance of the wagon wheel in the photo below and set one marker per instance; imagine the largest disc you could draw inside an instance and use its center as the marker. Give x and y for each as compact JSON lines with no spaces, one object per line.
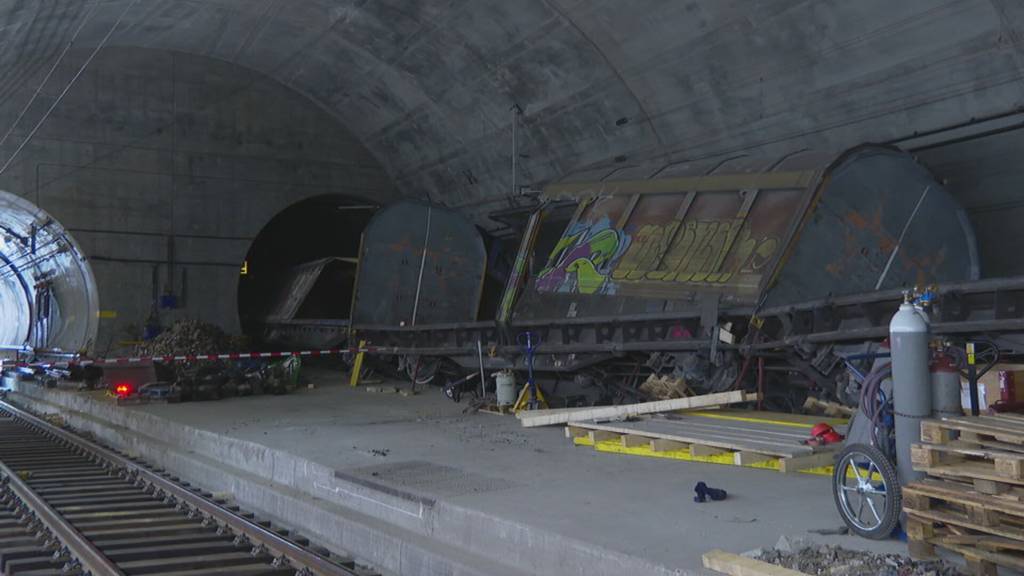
{"x":867,"y":491}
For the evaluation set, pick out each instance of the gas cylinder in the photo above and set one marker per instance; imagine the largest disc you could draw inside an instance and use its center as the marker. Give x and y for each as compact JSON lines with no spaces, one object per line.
{"x":505,"y":384}
{"x":911,"y":382}
{"x":945,"y":386}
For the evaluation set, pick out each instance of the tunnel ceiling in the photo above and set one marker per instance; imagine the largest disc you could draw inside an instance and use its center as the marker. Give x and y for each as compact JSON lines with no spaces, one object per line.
{"x":428,"y":85}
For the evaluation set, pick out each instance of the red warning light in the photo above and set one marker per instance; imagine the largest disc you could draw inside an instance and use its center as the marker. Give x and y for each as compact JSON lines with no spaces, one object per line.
{"x":123,"y":390}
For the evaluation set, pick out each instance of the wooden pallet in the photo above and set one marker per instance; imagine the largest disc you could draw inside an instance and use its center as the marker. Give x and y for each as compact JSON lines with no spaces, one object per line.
{"x":956,"y":504}
{"x":986,"y":450}
{"x":968,"y":461}
{"x":995,"y":431}
{"x":973,"y":504}
{"x":981,"y":553}
{"x":739,"y":441}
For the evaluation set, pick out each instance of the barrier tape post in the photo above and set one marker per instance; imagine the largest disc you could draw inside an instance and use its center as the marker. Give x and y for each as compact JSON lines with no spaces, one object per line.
{"x":357,"y":366}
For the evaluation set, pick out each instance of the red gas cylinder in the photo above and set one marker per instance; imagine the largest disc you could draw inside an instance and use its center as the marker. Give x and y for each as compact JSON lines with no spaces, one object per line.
{"x":945,"y":385}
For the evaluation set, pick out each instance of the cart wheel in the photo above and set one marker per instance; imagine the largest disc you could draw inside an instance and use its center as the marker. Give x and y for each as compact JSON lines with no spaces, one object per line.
{"x":867,"y":491}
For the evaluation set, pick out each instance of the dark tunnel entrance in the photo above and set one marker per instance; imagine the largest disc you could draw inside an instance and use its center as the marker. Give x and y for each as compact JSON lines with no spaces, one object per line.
{"x":300,"y":272}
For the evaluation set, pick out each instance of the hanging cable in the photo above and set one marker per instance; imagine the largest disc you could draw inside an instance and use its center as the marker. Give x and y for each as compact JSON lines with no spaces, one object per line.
{"x":74,"y":79}
{"x":46,"y":79}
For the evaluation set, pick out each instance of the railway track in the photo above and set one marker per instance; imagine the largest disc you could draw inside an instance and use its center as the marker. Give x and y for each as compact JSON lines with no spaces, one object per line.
{"x":71,"y":506}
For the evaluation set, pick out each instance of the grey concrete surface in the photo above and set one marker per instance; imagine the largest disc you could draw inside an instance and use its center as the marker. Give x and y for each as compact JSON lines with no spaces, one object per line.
{"x":427,"y":85}
{"x":477,"y":484}
{"x":155,"y":154}
{"x":200,"y":120}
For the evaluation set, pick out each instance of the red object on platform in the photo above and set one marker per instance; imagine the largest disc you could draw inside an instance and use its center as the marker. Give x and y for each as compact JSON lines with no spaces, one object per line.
{"x":822,"y":435}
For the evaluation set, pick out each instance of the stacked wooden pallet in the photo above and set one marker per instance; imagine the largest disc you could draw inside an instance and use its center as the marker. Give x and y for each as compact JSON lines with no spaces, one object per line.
{"x":736,"y":437}
{"x":972,"y":502}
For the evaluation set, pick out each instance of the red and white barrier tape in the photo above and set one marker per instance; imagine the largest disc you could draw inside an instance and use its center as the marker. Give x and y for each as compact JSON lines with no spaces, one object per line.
{"x":209,"y":357}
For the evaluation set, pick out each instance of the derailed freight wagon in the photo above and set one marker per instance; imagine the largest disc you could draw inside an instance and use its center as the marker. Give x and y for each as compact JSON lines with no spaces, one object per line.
{"x":684,"y":266}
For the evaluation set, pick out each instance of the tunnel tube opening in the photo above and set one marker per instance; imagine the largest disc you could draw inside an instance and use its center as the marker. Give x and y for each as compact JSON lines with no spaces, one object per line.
{"x":48,"y":295}
{"x":301,"y":269}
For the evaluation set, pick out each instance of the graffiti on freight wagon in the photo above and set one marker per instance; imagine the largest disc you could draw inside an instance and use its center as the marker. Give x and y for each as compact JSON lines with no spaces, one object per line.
{"x":703,"y":251}
{"x":597,"y":259}
{"x":583,"y":259}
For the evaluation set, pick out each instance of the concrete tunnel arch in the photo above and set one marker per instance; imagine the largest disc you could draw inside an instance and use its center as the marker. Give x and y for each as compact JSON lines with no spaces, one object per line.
{"x":312,"y":230}
{"x":48,"y":294}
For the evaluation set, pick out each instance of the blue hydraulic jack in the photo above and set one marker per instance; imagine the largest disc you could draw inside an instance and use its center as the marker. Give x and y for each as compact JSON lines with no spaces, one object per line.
{"x":530,"y":397}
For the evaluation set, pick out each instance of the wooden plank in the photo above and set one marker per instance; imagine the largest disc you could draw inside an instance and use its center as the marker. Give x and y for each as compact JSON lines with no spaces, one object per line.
{"x":961,"y":520}
{"x":1006,"y":464}
{"x":798,"y":463}
{"x":921,"y":550}
{"x":990,"y":486}
{"x":544,"y":418}
{"x":932,"y":432}
{"x":918,"y":530}
{"x":939,"y":431}
{"x":773,"y":418}
{"x":957,"y":493}
{"x":975,"y":439}
{"x":716,"y":440}
{"x":761,"y":431}
{"x":1001,"y":421}
{"x":736,"y":565}
{"x":744,"y":458}
{"x":698,"y":450}
{"x":632,"y":441}
{"x":575,"y":432}
{"x":971,"y":470}
{"x":831,"y":409}
{"x":970,"y":553}
{"x":663,"y":445}
{"x":601,"y":435}
{"x":996,"y":543}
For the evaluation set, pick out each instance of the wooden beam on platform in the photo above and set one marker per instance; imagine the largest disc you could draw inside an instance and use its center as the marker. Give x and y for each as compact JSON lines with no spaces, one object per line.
{"x":535,"y":418}
{"x":736,"y":565}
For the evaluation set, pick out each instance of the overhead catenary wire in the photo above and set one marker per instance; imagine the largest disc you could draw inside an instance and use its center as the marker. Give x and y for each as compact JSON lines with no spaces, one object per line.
{"x":67,"y":89}
{"x":49,"y":74}
{"x":213,"y":103}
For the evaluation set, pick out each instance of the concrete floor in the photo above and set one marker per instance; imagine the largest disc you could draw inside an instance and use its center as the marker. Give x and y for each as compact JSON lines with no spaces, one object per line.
{"x":426,"y":445}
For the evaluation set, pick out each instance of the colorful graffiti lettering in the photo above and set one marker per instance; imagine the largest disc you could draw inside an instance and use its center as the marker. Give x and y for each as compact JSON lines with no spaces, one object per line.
{"x":696,"y":252}
{"x":597,"y":259}
{"x":583,"y":260}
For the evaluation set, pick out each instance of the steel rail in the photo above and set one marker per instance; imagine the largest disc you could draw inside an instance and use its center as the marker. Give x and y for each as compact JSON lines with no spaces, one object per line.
{"x":78,"y":546}
{"x":298,"y":556}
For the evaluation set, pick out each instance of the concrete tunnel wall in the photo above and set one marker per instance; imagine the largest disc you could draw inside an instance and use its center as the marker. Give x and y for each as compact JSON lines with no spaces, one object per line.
{"x":425,"y":87}
{"x":152,"y":145}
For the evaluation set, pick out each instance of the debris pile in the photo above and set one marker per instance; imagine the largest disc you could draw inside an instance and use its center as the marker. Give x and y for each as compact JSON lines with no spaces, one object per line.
{"x":665,"y":387}
{"x":189,"y":337}
{"x":212,"y":380}
{"x":828,"y":560}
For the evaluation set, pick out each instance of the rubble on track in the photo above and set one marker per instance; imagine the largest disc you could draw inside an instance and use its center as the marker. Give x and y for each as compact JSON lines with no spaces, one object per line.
{"x":829,"y":560}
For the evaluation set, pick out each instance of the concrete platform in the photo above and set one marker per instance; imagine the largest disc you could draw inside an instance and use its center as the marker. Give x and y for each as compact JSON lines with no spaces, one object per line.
{"x":414,"y":486}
